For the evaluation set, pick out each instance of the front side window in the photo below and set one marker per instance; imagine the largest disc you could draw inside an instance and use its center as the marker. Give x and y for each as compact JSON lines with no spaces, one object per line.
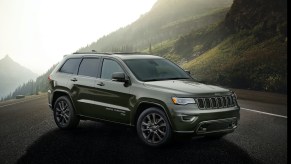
{"x":71,"y":66}
{"x":109,"y":67}
{"x":89,"y":67}
{"x":155,"y":69}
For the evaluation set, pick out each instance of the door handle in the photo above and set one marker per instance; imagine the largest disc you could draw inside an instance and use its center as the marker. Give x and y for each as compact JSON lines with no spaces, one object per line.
{"x":100,"y":83}
{"x":74,"y":79}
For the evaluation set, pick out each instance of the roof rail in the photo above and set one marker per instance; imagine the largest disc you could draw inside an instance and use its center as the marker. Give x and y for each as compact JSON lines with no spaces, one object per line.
{"x":110,"y":53}
{"x":130,"y":53}
{"x":92,"y":52}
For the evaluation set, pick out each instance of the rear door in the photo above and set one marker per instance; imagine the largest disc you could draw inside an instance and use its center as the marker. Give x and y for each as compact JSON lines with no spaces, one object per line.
{"x":83,"y":90}
{"x":111,"y":97}
{"x":66,"y":72}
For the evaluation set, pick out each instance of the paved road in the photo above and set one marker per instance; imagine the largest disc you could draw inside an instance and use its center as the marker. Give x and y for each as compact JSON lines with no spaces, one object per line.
{"x":29,"y":135}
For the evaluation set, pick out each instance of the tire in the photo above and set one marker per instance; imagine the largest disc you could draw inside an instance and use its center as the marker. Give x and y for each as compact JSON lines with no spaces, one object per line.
{"x":64,"y":114}
{"x":153,"y":127}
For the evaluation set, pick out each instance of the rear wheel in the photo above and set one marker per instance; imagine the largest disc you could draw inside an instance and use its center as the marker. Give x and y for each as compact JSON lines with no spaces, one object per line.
{"x":153,"y":127}
{"x":64,"y":114}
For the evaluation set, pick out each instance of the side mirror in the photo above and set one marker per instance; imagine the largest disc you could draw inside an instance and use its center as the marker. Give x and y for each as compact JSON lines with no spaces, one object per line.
{"x":119,"y":76}
{"x":187,"y":71}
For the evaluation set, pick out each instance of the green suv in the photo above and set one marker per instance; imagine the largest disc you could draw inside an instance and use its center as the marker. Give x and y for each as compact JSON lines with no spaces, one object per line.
{"x":146,"y":91}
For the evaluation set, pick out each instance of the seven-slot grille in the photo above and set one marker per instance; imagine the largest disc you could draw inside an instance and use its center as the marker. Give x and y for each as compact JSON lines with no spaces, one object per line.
{"x":215,"y":102}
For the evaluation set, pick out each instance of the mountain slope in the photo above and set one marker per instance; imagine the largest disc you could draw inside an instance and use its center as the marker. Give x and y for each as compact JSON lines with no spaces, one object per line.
{"x":166,"y":20}
{"x":12,"y":75}
{"x":251,"y":54}
{"x":243,"y":47}
{"x":32,"y":87}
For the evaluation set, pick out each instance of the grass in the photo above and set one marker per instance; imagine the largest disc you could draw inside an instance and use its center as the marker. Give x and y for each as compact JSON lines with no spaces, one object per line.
{"x":259,"y":96}
{"x":244,"y":62}
{"x":196,"y":17}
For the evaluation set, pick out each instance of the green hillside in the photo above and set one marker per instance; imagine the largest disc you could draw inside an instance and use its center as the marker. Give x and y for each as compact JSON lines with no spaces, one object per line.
{"x":246,"y":50}
{"x":244,"y":46}
{"x":242,"y":62}
{"x":167,"y":20}
{"x":187,"y":47}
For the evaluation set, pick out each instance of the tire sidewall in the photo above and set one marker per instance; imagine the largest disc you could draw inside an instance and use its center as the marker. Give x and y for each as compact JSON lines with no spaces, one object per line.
{"x":71,"y":115}
{"x":168,"y":135}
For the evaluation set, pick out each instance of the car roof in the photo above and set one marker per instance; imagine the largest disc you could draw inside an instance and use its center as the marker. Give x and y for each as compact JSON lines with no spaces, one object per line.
{"x":122,"y":56}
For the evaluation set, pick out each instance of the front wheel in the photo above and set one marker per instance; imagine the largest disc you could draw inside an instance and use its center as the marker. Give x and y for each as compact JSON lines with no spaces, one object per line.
{"x":153,"y":127}
{"x":64,"y":114}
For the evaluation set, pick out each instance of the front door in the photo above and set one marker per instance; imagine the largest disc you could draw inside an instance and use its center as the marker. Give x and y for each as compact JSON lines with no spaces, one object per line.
{"x":112,"y":97}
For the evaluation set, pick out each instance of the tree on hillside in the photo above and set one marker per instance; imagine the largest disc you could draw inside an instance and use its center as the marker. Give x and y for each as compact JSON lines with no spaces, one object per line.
{"x":32,"y":87}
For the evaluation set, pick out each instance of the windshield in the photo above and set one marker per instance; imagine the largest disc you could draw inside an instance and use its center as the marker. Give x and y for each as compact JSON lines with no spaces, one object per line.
{"x":155,"y":69}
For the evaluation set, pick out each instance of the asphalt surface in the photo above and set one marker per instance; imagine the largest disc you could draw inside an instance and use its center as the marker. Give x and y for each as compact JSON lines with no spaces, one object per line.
{"x":28,"y":134}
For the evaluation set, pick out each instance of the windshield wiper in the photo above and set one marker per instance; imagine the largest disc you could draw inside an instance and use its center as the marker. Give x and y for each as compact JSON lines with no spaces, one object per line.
{"x":152,"y":80}
{"x":176,"y":78}
{"x":173,"y":78}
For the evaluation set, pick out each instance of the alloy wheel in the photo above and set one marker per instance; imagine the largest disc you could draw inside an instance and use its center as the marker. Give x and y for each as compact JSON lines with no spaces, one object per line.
{"x":62,"y":113}
{"x":154,"y":128}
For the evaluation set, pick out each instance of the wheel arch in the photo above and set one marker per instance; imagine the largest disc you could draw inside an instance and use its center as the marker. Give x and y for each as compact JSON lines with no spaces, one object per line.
{"x":143,"y":105}
{"x":59,"y":93}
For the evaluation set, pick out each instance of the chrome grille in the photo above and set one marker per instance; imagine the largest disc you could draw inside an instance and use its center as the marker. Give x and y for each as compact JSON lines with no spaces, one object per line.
{"x":215,"y":102}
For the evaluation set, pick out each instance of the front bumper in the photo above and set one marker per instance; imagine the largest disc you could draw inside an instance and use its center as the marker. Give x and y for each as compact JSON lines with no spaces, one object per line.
{"x":216,"y":126}
{"x":190,"y":119}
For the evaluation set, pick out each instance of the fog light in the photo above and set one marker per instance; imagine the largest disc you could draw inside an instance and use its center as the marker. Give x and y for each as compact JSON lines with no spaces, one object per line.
{"x":188,"y":118}
{"x":202,"y":129}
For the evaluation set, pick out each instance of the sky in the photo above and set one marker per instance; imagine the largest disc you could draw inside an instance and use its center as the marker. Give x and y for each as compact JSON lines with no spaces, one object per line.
{"x":38,"y":33}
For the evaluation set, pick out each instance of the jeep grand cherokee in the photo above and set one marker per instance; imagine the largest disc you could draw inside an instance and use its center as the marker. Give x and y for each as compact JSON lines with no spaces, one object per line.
{"x":146,"y":91}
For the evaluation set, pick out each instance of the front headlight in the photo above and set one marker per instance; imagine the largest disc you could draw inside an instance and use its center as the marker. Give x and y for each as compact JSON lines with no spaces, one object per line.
{"x":183,"y":101}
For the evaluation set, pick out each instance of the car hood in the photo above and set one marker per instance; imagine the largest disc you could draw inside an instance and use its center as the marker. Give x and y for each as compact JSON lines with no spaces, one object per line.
{"x":185,"y":86}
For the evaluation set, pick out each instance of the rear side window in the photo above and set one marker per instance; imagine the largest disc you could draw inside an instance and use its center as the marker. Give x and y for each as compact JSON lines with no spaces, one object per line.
{"x":89,"y":67}
{"x":71,"y":66}
{"x":109,"y":67}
